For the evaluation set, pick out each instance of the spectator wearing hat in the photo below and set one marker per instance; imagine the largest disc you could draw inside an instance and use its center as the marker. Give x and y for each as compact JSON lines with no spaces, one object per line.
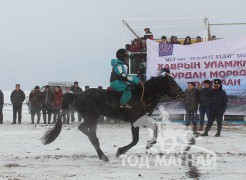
{"x":17,"y":97}
{"x":36,"y":101}
{"x":57,"y":103}
{"x":148,"y":34}
{"x":191,"y":105}
{"x":47,"y":100}
{"x":87,"y":87}
{"x":204,"y":102}
{"x":67,"y":90}
{"x":1,"y":106}
{"x":76,"y":90}
{"x":217,"y":107}
{"x":67,"y":113}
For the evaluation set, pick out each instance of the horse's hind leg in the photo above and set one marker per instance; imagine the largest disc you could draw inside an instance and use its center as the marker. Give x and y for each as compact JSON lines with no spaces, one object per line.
{"x":84,"y":128}
{"x":89,"y":129}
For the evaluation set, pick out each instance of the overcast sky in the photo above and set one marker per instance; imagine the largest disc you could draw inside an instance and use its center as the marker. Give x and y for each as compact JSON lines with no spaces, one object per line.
{"x":68,"y":40}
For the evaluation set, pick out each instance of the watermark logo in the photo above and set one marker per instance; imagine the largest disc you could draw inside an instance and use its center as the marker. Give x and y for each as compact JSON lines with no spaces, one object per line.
{"x":164,"y":160}
{"x":170,"y":146}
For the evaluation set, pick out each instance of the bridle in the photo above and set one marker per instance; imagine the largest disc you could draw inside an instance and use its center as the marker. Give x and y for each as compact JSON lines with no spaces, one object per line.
{"x":179,"y":93}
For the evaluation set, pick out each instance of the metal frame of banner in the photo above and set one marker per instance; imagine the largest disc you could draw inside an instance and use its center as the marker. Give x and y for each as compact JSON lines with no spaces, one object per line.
{"x":206,"y":31}
{"x":133,"y":29}
{"x":228,"y":22}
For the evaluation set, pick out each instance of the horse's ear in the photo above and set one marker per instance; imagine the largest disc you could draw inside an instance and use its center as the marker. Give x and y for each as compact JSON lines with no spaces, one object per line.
{"x":165,"y":70}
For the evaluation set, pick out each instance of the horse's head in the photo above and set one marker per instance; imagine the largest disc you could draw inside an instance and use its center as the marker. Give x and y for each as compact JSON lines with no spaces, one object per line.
{"x":172,"y":89}
{"x":165,"y":85}
{"x":68,"y":100}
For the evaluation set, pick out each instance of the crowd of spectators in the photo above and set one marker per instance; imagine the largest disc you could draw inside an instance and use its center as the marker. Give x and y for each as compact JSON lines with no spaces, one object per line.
{"x":138,"y":49}
{"x":48,"y":103}
{"x":211,"y":100}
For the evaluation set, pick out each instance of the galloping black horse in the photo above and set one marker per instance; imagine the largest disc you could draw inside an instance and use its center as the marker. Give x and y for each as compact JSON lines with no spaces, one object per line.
{"x":93,"y":103}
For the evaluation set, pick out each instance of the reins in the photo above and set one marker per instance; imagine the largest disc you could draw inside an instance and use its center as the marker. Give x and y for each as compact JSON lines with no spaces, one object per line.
{"x":142,"y":92}
{"x":142,"y":100}
{"x":178,"y":96}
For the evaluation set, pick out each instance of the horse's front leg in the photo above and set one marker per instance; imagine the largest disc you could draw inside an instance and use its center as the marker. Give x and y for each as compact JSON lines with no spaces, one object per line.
{"x":149,"y":122}
{"x":135,"y":138}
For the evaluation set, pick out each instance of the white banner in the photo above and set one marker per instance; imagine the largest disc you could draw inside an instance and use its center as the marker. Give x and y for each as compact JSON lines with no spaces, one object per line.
{"x":223,"y":59}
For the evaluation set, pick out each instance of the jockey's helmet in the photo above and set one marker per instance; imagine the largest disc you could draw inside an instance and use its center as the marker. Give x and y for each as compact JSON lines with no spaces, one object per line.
{"x":122,"y":55}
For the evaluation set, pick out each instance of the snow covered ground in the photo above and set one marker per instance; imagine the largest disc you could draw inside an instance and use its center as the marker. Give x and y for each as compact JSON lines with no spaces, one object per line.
{"x":72,"y":156}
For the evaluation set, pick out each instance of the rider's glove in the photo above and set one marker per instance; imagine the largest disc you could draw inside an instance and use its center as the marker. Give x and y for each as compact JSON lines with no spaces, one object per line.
{"x":124,"y":75}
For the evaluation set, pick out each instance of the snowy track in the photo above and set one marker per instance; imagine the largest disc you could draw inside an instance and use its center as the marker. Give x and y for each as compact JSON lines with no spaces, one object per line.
{"x":72,"y":156}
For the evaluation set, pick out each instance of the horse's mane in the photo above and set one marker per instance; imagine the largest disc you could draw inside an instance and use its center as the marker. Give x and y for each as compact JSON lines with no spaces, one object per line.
{"x":154,"y":85}
{"x":152,"y":81}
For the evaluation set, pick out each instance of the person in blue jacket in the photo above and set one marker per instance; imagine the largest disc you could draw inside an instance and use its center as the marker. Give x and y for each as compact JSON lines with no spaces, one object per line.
{"x":120,"y":80}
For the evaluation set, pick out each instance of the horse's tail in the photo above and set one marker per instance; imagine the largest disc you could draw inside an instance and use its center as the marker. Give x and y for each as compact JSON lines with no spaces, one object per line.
{"x":53,"y":133}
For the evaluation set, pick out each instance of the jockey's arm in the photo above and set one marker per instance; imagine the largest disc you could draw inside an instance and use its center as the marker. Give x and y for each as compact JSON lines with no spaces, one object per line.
{"x":121,"y":70}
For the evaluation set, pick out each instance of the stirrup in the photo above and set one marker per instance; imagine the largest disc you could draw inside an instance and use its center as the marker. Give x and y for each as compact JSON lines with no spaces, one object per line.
{"x":127,"y":106}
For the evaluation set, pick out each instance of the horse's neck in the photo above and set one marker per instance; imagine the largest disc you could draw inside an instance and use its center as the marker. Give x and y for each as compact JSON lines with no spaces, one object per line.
{"x":151,"y":104}
{"x":152,"y":95}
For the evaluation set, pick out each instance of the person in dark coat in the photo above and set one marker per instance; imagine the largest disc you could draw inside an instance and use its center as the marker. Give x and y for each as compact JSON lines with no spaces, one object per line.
{"x":191,"y":105}
{"x":1,"y":106}
{"x":204,"y":102}
{"x":66,"y":114}
{"x":36,"y":101}
{"x":57,"y":103}
{"x":47,"y":100}
{"x":17,"y":98}
{"x":76,"y":90}
{"x":217,"y":107}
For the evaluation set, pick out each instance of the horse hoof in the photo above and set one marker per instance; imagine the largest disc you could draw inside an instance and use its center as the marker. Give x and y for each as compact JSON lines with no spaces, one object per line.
{"x":105,"y":158}
{"x":150,"y":144}
{"x":119,"y":152}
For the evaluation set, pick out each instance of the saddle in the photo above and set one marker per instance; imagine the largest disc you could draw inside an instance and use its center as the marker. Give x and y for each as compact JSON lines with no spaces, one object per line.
{"x":111,"y":90}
